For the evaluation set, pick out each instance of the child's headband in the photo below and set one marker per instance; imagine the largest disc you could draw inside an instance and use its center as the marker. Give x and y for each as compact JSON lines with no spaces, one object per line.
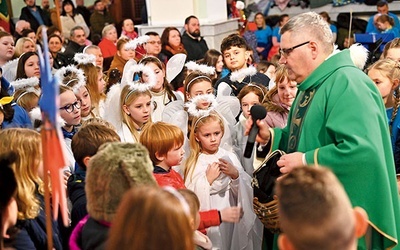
{"x":140,"y":86}
{"x":80,"y":77}
{"x":194,"y":79}
{"x":255,"y":85}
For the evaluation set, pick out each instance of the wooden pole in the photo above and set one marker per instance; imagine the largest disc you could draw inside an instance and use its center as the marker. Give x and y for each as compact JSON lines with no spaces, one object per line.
{"x":57,"y":6}
{"x":49,"y":226}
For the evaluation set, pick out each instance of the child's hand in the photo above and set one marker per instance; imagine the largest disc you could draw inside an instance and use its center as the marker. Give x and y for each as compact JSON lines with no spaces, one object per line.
{"x":227,"y":168}
{"x":231,"y":214}
{"x":212,"y":172}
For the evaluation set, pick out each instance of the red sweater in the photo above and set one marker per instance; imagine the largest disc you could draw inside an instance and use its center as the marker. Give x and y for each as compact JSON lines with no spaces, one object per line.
{"x":172,"y":178}
{"x":108,"y":48}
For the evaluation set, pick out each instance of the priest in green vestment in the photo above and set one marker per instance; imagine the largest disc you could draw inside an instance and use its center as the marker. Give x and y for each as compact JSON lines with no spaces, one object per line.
{"x":338,"y":120}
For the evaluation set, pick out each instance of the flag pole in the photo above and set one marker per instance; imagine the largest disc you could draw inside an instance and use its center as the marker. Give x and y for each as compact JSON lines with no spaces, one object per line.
{"x":57,"y":6}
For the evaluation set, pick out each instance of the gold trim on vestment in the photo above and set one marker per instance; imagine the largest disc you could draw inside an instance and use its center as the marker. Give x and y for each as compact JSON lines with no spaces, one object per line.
{"x":384,"y":235}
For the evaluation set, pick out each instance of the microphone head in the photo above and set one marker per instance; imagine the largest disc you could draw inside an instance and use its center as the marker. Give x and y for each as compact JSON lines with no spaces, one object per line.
{"x":258,"y":112}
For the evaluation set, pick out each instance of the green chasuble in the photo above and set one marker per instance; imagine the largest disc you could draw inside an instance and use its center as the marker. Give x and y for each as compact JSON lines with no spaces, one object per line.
{"x":344,"y":127}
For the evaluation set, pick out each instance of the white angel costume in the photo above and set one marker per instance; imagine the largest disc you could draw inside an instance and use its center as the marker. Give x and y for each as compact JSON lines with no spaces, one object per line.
{"x":222,"y":193}
{"x":160,"y":101}
{"x":239,"y":145}
{"x":113,"y":103}
{"x":227,"y":107}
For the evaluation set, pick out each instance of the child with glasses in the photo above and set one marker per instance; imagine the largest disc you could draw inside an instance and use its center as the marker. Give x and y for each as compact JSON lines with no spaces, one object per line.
{"x":70,"y":112}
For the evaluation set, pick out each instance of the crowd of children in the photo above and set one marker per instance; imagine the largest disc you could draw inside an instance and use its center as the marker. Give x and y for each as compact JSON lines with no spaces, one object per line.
{"x":169,"y":160}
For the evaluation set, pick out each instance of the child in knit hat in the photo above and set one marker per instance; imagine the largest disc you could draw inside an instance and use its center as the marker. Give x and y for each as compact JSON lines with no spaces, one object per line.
{"x":113,"y":170}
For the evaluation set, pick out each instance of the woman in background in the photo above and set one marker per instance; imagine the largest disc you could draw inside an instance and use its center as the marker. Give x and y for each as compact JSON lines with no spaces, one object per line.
{"x":171,"y":41}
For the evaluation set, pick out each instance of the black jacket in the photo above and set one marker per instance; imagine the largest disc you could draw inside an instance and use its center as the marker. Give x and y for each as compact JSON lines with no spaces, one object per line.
{"x":27,"y":16}
{"x":77,"y":195}
{"x":196,"y":48}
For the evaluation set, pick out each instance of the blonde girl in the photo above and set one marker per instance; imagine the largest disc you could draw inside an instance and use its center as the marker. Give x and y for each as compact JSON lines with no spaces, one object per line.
{"x":162,"y":92}
{"x":199,"y":89}
{"x":280,"y":98}
{"x":135,"y":111}
{"x":95,"y":85}
{"x":386,"y":75}
{"x":252,"y":94}
{"x":218,"y":179}
{"x":28,"y":170}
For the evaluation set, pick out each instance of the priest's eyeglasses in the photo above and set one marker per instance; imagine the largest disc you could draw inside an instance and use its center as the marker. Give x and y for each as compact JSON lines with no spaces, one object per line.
{"x":286,"y":52}
{"x":71,"y":107}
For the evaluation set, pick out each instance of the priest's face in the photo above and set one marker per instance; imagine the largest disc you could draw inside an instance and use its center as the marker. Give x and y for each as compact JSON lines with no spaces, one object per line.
{"x":296,"y":56}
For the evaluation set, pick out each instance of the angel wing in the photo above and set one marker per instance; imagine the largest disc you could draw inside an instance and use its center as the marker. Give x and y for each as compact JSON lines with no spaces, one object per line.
{"x":228,"y":107}
{"x":10,"y":70}
{"x":175,"y":65}
{"x":127,"y":74}
{"x":224,"y":89}
{"x":112,"y":105}
{"x":176,"y":115}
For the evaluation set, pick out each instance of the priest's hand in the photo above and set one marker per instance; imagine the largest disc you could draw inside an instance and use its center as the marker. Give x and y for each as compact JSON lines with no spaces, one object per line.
{"x":290,"y":161}
{"x":263,"y":135}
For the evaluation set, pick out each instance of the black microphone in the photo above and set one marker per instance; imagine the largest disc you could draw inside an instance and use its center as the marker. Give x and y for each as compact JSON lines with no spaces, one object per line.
{"x":257,"y":112}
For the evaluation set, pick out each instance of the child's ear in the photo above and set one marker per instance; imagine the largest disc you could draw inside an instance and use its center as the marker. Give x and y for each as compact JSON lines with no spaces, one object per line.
{"x":125,"y":109}
{"x":284,"y":243}
{"x":86,"y":161}
{"x":395,"y":84}
{"x":361,"y":221}
{"x":247,"y":55}
{"x":159,"y":157}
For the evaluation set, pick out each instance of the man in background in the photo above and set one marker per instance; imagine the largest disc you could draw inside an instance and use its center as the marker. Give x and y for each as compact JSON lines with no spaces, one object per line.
{"x":195,"y":45}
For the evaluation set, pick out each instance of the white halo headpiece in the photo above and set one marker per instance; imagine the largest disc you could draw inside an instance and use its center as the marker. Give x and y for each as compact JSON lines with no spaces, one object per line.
{"x":83,"y":58}
{"x":132,"y":44}
{"x":25,"y":83}
{"x":29,"y":85}
{"x":137,"y":85}
{"x":193,"y":66}
{"x":80,"y":77}
{"x":192,"y":105}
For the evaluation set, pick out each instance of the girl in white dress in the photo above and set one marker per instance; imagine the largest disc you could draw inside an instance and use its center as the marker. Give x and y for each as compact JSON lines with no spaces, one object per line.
{"x":218,"y":179}
{"x":129,"y":103}
{"x":161,"y":91}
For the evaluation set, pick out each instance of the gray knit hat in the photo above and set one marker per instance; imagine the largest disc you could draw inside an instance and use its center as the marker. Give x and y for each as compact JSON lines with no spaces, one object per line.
{"x":112,"y":171}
